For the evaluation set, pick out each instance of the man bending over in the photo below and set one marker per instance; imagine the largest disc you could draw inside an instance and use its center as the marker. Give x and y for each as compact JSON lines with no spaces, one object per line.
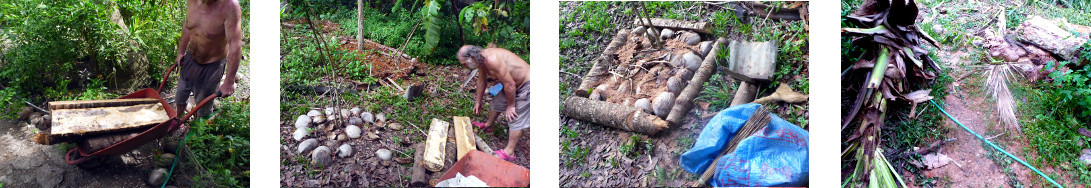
{"x":512,"y":101}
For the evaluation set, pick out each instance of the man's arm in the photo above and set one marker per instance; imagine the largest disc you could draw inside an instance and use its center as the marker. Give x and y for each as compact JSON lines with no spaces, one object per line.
{"x":509,"y":94}
{"x":233,"y":27}
{"x":184,"y":41}
{"x":482,"y":81}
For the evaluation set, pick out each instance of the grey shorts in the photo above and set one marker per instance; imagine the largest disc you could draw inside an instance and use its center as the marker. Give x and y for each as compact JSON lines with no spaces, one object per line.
{"x":499,"y":103}
{"x":197,"y":80}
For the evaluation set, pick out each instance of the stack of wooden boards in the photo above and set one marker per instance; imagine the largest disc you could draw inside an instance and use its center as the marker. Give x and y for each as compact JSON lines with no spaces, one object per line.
{"x":434,"y":151}
{"x":75,"y":120}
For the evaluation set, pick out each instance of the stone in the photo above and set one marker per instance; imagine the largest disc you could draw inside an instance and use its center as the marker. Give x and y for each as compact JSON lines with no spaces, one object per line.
{"x":165,"y":159}
{"x":303,"y":122}
{"x":157,"y":177}
{"x":639,"y":30}
{"x":300,"y":134}
{"x":306,"y":146}
{"x":938,"y":30}
{"x":344,"y":151}
{"x":318,"y":119}
{"x":24,"y":113}
{"x":935,"y":160}
{"x":692,"y":61}
{"x":663,"y":104}
{"x":598,"y":93}
{"x":380,"y":117}
{"x":314,"y":113}
{"x":367,"y":117}
{"x":691,"y":38}
{"x":644,"y":104}
{"x":353,"y":131}
{"x":35,"y":119}
{"x":330,"y":111}
{"x":356,"y":111}
{"x":342,"y":137}
{"x":684,"y":74}
{"x":44,"y":123}
{"x":395,"y":126}
{"x":1085,"y":156}
{"x":355,"y":121}
{"x":384,"y":154}
{"x":674,"y":84}
{"x":666,"y":34}
{"x":706,"y":47}
{"x":321,"y":156}
{"x":346,"y":113}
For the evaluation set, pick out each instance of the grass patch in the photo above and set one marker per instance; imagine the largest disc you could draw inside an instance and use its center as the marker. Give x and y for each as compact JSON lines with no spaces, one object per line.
{"x":222,"y":145}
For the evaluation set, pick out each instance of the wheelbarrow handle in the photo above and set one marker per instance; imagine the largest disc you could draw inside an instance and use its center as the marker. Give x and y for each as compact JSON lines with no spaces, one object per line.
{"x":201,"y":104}
{"x":165,"y":76}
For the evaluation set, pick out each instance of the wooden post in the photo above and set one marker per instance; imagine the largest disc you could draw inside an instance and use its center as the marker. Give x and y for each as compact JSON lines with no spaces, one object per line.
{"x":684,"y":101}
{"x":420,"y":176}
{"x":360,"y":24}
{"x":601,"y":70}
{"x":613,"y":115}
{"x":436,"y":145}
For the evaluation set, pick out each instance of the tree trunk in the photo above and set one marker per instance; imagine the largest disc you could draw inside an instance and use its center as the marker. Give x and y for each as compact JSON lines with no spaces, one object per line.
{"x":613,"y":115}
{"x":700,"y":27}
{"x":360,"y":24}
{"x":420,"y":176}
{"x":685,"y":98}
{"x":601,"y":70}
{"x":135,"y":75}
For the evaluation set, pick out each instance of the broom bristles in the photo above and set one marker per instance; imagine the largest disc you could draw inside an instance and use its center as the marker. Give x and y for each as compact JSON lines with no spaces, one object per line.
{"x":997,"y":85}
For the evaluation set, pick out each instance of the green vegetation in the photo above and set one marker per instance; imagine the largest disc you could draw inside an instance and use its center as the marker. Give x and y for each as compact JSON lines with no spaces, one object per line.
{"x":1052,"y":114}
{"x":222,"y":145}
{"x":572,"y":154}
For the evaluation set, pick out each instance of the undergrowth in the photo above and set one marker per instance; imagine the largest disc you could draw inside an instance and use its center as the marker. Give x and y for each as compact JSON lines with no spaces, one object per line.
{"x":222,"y":145}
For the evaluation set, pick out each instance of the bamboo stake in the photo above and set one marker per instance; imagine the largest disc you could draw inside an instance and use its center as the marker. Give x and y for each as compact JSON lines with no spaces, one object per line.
{"x":757,"y":121}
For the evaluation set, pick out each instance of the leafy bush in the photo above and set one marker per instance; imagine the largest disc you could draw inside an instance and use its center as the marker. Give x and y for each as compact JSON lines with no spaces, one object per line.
{"x":222,"y":145}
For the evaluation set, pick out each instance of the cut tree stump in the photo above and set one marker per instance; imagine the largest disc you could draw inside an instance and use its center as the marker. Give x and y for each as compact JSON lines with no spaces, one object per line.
{"x":420,"y":176}
{"x":464,"y":136}
{"x":613,"y":115}
{"x":684,"y":101}
{"x":72,"y":120}
{"x":601,"y":70}
{"x":436,"y":145}
{"x":700,"y":27}
{"x":1046,"y":34}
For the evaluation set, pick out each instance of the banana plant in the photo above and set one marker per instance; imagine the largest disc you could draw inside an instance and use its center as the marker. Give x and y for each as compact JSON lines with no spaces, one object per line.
{"x":892,"y":63}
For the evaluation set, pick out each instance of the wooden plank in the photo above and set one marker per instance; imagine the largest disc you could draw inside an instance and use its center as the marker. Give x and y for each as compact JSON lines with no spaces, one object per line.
{"x":753,"y":59}
{"x":464,"y":136}
{"x":73,"y":124}
{"x":436,"y":145}
{"x":56,"y":105}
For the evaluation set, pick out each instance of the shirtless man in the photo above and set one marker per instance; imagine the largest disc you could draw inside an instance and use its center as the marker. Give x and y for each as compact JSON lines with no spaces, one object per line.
{"x":513,"y":73}
{"x":211,"y":37}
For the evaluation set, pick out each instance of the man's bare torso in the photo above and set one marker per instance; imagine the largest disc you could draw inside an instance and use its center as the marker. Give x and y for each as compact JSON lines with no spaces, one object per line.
{"x":206,"y":21}
{"x":504,"y":63}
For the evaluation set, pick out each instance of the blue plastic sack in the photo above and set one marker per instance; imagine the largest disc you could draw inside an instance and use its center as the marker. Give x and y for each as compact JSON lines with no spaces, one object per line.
{"x":773,"y":156}
{"x":495,"y":89}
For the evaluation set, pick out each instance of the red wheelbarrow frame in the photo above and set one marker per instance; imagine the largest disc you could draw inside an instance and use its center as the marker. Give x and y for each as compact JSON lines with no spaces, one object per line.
{"x":82,"y":153}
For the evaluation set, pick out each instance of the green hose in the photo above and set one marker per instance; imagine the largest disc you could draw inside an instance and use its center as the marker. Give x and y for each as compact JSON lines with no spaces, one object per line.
{"x":180,"y":144}
{"x":994,"y":145}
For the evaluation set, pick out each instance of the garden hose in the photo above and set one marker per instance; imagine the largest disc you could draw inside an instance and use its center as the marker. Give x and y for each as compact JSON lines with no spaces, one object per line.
{"x":994,"y":145}
{"x":180,"y":144}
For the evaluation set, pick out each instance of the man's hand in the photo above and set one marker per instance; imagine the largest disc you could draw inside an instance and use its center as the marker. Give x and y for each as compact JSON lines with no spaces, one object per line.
{"x":477,"y":107}
{"x":510,"y":114}
{"x":178,"y":59}
{"x":227,"y":88}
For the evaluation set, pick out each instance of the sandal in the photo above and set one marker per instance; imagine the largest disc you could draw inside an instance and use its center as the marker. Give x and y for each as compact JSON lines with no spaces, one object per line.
{"x":481,"y":125}
{"x":502,"y":155}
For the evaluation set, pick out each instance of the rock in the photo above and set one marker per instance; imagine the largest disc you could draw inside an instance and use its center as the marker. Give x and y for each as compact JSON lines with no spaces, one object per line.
{"x":165,"y":159}
{"x":372,"y":136}
{"x":35,"y":119}
{"x":395,"y":126}
{"x":24,"y":113}
{"x":598,"y":93}
{"x":356,"y":111}
{"x":663,"y":104}
{"x":935,"y":160}
{"x":684,"y":74}
{"x":624,"y":87}
{"x":330,"y":111}
{"x":674,"y":84}
{"x":384,"y":154}
{"x":303,"y":122}
{"x":1084,"y":132}
{"x":44,"y":123}
{"x":367,"y":117}
{"x":639,"y":30}
{"x":666,"y":34}
{"x":1085,"y":156}
{"x":692,"y":61}
{"x":627,"y":102}
{"x":691,"y":38}
{"x":342,"y":137}
{"x":300,"y":133}
{"x":938,"y":30}
{"x":318,"y":119}
{"x":306,"y":146}
{"x":706,"y":47}
{"x":380,"y":117}
{"x":314,"y":113}
{"x":344,"y":151}
{"x":321,"y":156}
{"x":355,"y":121}
{"x":171,"y":145}
{"x":346,"y":113}
{"x":157,"y":177}
{"x":645,"y":104}
{"x":353,"y":131}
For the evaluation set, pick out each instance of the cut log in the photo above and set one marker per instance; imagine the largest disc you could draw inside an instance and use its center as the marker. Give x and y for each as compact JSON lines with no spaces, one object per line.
{"x":745,"y":94}
{"x":464,"y":136}
{"x":484,"y":147}
{"x":700,"y":27}
{"x":72,"y":124}
{"x":57,"y":105}
{"x":1046,"y":34}
{"x":420,"y":176}
{"x":601,"y":70}
{"x":685,"y":99}
{"x":613,"y":115}
{"x":436,"y":145}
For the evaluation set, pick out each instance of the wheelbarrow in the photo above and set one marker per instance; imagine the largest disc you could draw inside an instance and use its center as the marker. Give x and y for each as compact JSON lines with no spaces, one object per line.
{"x":84,"y":151}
